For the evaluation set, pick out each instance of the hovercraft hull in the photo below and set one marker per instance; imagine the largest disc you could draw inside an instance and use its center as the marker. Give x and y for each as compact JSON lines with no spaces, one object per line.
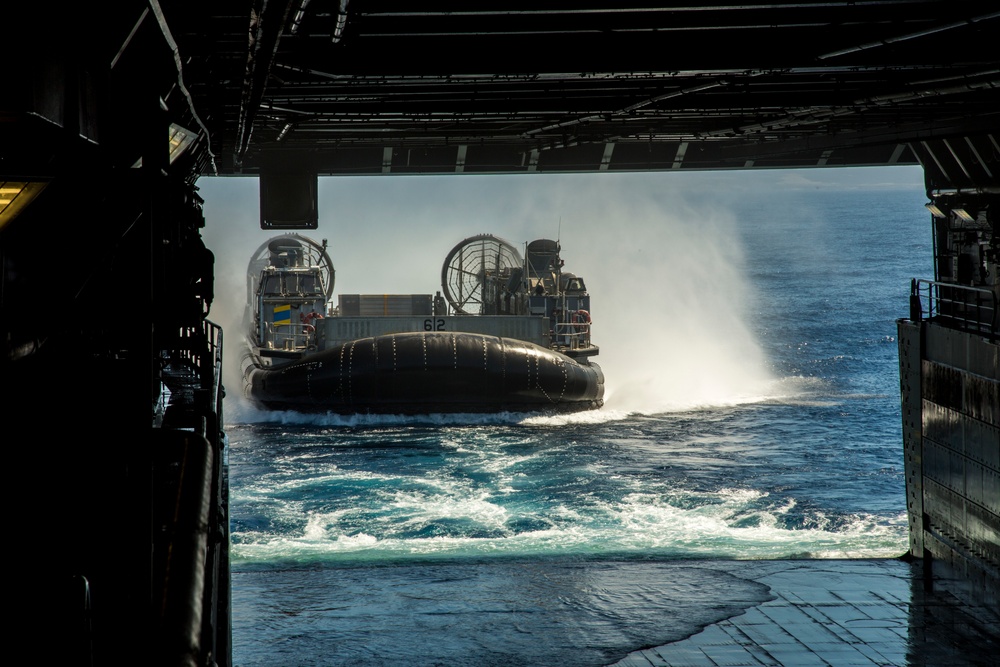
{"x":427,"y":372}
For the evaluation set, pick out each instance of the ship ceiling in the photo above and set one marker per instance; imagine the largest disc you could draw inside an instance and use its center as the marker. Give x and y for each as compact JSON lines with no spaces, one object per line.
{"x":346,"y":87}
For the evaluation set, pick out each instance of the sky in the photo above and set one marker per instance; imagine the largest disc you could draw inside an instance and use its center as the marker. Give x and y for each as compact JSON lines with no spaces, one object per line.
{"x":626,"y":234}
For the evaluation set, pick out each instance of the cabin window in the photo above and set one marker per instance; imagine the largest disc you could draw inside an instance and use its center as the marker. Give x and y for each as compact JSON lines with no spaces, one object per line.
{"x":272,"y":285}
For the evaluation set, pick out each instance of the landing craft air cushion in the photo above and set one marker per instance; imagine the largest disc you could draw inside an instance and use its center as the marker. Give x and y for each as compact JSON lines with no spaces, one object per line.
{"x":509,"y":334}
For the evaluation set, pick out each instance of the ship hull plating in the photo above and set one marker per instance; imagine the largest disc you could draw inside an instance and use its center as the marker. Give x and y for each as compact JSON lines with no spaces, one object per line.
{"x":427,"y":372}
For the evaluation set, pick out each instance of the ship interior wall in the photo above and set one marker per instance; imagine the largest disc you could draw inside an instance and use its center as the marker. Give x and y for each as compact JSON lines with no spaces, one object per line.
{"x":949,"y":350}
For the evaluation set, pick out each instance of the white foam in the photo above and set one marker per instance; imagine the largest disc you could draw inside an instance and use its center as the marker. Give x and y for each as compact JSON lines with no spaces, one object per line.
{"x":729,"y":523}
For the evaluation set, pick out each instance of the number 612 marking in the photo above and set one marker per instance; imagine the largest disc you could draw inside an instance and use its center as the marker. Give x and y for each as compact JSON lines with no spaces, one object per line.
{"x":434,"y":325}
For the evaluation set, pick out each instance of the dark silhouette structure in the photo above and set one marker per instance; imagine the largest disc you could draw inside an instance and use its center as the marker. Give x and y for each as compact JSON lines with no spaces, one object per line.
{"x":110,"y":113}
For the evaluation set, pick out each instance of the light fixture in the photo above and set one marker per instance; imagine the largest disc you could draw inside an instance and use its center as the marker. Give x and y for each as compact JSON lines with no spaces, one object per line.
{"x":179,"y":140}
{"x":284,"y":131}
{"x":15,"y":196}
{"x":935,"y":211}
{"x":962,"y":215}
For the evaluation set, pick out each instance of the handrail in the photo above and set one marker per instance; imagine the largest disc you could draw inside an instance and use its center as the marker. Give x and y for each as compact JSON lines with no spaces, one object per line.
{"x":576,"y":333}
{"x":200,"y":346}
{"x":292,"y":336}
{"x":195,"y":586}
{"x":971,"y":309}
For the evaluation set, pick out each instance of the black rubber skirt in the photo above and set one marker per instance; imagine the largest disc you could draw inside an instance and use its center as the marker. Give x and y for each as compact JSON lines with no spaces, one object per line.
{"x":424,"y":373}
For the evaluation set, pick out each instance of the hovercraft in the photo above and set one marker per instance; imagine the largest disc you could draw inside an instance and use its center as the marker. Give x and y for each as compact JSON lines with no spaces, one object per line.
{"x":508,"y":334}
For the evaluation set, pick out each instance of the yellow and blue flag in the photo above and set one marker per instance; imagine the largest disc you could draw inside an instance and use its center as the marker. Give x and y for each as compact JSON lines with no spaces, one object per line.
{"x":283,"y":314}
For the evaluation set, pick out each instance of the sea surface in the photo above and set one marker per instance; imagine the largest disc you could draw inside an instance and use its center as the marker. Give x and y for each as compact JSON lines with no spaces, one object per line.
{"x":753,"y":412}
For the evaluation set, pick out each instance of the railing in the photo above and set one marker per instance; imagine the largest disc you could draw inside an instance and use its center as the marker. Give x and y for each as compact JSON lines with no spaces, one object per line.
{"x":290,"y":337}
{"x":191,"y":518}
{"x":971,"y":309}
{"x":572,"y":335}
{"x":200,"y":346}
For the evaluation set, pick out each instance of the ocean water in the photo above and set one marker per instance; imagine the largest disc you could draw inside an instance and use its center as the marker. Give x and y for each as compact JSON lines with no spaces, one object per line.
{"x":752,"y":412}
